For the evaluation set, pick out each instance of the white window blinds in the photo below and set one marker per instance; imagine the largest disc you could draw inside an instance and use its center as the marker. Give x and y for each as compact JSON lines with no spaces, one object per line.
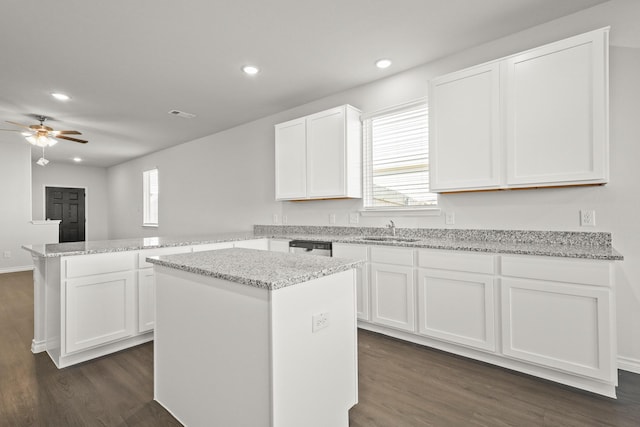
{"x":396,"y":159}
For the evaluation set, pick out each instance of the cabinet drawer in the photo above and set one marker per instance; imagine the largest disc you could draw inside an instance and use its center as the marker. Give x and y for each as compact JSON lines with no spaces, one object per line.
{"x":457,"y":261}
{"x":588,"y":272}
{"x":212,"y":246}
{"x":87,"y":265}
{"x":351,"y":251}
{"x":260,"y":244}
{"x":389,"y":255}
{"x":142,"y":255}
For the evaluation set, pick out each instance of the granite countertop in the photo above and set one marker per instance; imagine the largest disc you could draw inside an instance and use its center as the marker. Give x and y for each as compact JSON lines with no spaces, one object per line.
{"x":586,"y":245}
{"x":134,"y":244}
{"x":262,"y":269}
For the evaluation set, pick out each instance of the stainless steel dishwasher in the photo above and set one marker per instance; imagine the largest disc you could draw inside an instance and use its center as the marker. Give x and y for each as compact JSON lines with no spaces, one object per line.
{"x":311,"y":247}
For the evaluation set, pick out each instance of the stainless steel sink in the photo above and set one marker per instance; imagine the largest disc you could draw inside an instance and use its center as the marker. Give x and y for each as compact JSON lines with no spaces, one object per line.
{"x":388,"y":239}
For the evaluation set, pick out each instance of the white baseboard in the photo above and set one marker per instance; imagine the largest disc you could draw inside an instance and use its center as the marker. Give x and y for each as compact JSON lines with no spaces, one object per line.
{"x":628,"y":364}
{"x":16,"y":269}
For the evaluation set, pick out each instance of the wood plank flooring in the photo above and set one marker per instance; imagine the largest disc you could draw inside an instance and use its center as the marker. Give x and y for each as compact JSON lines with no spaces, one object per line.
{"x":401,"y":385}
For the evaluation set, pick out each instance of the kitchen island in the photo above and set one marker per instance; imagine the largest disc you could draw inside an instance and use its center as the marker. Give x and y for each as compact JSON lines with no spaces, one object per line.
{"x":255,"y":338}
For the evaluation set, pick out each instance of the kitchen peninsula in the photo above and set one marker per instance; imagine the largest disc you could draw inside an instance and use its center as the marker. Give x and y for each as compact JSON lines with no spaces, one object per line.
{"x":255,"y":338}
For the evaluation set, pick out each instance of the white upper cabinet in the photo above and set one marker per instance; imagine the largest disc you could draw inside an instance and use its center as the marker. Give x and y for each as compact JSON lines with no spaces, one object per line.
{"x":556,"y":109}
{"x":468,"y":156}
{"x":319,"y":156}
{"x":291,"y":158}
{"x":534,"y":119}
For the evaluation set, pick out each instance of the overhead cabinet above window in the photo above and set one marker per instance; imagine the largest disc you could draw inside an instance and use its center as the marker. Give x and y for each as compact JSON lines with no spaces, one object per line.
{"x":534,"y":119}
{"x":319,"y":156}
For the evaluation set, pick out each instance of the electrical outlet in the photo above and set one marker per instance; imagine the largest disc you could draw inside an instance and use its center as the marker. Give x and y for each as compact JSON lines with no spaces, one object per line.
{"x":276,"y":219}
{"x":320,"y":321}
{"x":332,"y":218}
{"x":284,"y":219}
{"x":7,"y":254}
{"x":354,"y":218}
{"x":449,"y":218}
{"x":587,"y":218}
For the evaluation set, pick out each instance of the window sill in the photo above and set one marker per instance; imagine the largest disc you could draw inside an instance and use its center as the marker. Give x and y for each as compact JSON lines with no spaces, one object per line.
{"x":432,"y":211}
{"x":150,"y":225}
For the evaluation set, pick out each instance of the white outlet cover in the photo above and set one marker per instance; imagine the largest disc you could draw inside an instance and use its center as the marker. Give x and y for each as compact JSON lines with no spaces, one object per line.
{"x":354,"y":218}
{"x":319,"y":321}
{"x":449,"y":218}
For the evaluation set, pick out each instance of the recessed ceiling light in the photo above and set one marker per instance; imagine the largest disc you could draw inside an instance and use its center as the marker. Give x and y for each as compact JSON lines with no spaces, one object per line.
{"x":77,"y":159}
{"x":61,"y":96}
{"x":250,"y":69}
{"x":383,"y":63}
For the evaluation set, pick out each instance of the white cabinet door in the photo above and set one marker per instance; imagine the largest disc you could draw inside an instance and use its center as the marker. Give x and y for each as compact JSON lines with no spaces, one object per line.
{"x":464,"y":129}
{"x":98,"y":309}
{"x":326,"y":153}
{"x":146,"y":300}
{"x":393,"y":296}
{"x":457,"y":307}
{"x":291,"y":163}
{"x":558,"y":325}
{"x":557,"y":113}
{"x":362,"y":276}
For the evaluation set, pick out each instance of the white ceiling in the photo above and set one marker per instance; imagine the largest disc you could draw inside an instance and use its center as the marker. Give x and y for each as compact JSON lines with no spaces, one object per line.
{"x":127,"y":63}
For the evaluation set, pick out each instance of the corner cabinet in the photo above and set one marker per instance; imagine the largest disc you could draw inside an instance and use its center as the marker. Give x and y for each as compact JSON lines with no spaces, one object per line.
{"x":319,"y":156}
{"x":534,"y":119}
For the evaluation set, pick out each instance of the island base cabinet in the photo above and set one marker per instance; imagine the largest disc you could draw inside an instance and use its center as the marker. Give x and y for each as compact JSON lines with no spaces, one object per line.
{"x":559,"y":325}
{"x":228,"y":354}
{"x":99,"y":309}
{"x":457,"y":307}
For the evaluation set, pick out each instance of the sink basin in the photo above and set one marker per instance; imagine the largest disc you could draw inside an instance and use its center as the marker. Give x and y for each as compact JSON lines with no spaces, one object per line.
{"x":388,"y":239}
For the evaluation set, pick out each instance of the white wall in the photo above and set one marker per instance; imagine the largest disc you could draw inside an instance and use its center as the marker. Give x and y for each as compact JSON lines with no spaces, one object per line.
{"x":15,"y":206}
{"x":226,"y":182}
{"x":218,"y":183}
{"x":93,"y":179}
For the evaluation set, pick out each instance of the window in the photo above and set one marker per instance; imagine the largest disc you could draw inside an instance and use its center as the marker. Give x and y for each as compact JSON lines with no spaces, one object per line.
{"x":150,"y":198}
{"x":396,"y":159}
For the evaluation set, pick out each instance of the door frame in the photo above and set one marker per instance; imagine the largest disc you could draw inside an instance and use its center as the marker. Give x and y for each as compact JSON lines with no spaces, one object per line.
{"x":86,"y":204}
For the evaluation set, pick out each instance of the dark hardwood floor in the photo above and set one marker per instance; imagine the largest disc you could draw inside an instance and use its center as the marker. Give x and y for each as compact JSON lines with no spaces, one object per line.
{"x":401,"y":384}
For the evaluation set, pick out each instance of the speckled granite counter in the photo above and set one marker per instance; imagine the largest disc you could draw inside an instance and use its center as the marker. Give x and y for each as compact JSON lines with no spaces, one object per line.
{"x":565,"y":244}
{"x":134,"y":244}
{"x":262,"y":269}
{"x":587,"y":245}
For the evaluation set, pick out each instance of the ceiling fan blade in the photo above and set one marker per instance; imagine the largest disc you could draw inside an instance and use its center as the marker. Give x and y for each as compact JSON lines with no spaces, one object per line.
{"x":19,"y":124}
{"x":67,"y":132}
{"x":68,"y":138}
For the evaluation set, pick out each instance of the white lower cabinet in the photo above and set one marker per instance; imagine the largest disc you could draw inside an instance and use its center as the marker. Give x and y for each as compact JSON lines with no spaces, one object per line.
{"x":393,"y":288}
{"x":98,"y":309}
{"x":260,"y":244}
{"x":559,"y":325}
{"x":146,"y":300}
{"x":363,"y":301}
{"x":457,"y":307}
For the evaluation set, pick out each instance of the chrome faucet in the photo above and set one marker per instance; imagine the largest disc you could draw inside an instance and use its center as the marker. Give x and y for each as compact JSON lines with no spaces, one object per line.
{"x":392,"y":227}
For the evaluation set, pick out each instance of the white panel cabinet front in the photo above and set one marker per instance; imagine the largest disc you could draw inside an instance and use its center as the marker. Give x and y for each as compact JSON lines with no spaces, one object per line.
{"x":99,"y":309}
{"x":319,"y":156}
{"x":468,"y":156}
{"x":457,"y":307}
{"x":291,"y":158}
{"x":393,"y":296}
{"x":559,"y":325}
{"x":362,"y":276}
{"x":146,"y":300}
{"x":557,"y":113}
{"x":260,"y":244}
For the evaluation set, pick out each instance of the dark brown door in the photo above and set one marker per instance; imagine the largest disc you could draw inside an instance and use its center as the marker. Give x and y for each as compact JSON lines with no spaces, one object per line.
{"x":67,"y":205}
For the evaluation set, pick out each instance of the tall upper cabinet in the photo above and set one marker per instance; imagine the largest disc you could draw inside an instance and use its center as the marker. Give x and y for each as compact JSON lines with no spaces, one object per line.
{"x":319,"y":156}
{"x":534,"y":119}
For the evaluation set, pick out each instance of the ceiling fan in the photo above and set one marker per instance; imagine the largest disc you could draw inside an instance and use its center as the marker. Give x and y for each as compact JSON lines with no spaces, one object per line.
{"x":44,"y":136}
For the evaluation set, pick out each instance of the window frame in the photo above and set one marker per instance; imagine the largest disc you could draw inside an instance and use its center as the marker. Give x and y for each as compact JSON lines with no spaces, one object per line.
{"x":367,"y":176}
{"x":147,"y":198}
